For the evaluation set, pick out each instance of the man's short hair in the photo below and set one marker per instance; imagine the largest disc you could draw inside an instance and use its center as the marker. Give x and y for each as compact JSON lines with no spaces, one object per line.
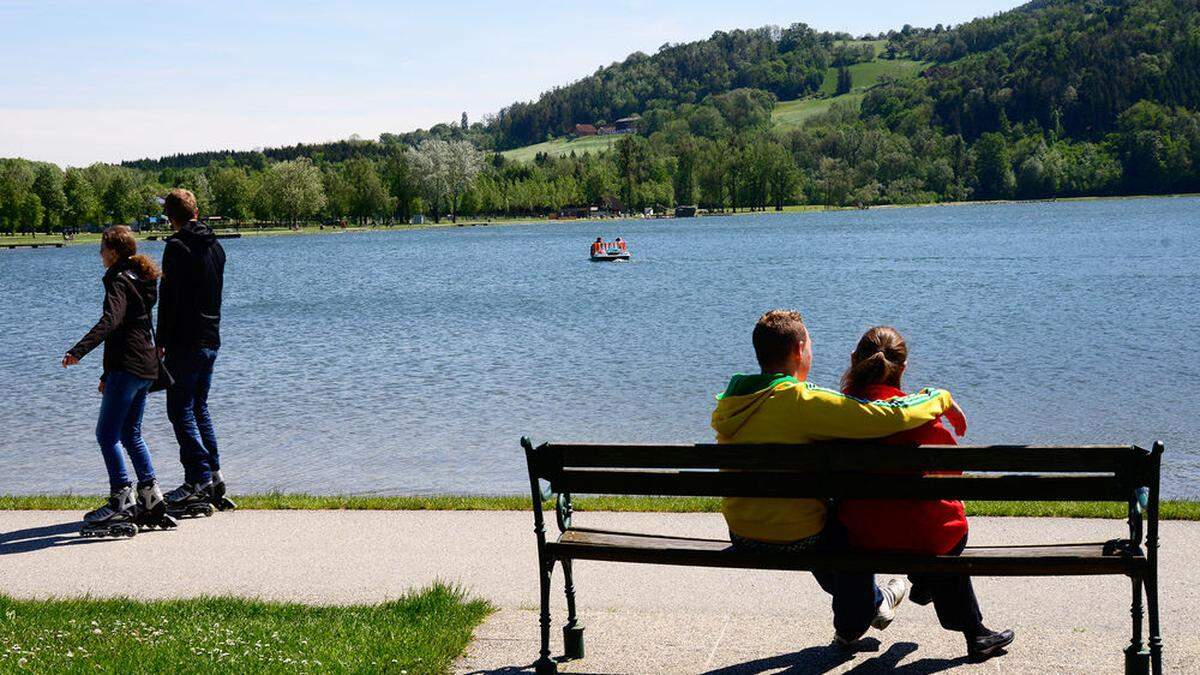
{"x":180,"y":205}
{"x":776,"y":335}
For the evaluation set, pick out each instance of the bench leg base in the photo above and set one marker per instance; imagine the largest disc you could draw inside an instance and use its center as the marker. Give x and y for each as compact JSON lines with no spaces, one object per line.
{"x":573,"y":642}
{"x":1137,"y":662}
{"x":545,"y":666}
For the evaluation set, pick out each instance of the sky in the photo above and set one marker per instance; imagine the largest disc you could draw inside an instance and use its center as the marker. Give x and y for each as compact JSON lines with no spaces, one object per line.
{"x":108,"y":81}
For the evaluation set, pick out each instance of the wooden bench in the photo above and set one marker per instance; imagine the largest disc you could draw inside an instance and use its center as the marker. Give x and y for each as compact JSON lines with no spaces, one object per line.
{"x":1127,"y":474}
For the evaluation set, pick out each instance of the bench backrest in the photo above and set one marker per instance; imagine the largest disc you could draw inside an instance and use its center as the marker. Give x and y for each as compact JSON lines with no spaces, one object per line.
{"x":849,"y":470}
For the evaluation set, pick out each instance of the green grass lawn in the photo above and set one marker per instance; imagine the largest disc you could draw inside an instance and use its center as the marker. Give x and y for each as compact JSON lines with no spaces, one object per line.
{"x":794,"y":114}
{"x":562,"y":146}
{"x":863,"y":76}
{"x":422,"y":632}
{"x":1170,"y":510}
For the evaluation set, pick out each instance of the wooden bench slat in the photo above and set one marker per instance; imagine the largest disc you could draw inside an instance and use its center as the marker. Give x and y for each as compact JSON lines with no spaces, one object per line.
{"x":849,"y":456}
{"x":840,"y":485}
{"x":1037,"y":560}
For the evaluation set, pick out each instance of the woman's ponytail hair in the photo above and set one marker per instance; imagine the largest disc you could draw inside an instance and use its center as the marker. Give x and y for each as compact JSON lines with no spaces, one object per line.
{"x":879,"y":358}
{"x":120,"y":240}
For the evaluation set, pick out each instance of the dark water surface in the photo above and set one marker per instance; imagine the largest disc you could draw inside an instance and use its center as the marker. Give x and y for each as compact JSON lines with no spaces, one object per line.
{"x":411,"y":362}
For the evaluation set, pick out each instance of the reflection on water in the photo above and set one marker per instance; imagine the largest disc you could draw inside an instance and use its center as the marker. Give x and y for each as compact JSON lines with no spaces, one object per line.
{"x":411,"y":362}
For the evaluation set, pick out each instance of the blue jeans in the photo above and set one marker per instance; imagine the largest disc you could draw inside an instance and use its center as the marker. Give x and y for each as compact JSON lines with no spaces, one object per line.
{"x":187,"y":408}
{"x":856,"y":598}
{"x":119,"y":429}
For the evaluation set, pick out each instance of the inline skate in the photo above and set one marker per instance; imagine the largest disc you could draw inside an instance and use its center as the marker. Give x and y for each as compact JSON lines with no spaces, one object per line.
{"x":152,"y":509}
{"x":115,"y":518}
{"x":190,"y":500}
{"x":217,"y":494}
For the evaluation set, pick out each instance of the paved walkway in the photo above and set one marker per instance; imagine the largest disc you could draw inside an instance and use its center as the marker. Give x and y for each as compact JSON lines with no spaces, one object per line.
{"x":639,"y":618}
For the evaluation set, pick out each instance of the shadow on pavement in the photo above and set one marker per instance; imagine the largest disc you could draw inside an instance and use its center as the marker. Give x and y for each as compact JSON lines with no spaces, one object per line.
{"x":821,"y":659}
{"x":826,"y":658}
{"x":38,"y":538}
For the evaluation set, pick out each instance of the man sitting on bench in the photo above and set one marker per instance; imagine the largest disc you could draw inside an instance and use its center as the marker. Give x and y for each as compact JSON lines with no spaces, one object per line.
{"x":780,"y":406}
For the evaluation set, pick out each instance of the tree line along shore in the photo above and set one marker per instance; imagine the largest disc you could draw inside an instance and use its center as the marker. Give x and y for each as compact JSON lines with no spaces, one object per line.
{"x":1048,"y":100}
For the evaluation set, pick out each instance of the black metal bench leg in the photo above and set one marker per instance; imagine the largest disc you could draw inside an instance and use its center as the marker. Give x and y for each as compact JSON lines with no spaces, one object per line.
{"x":1137,"y":659}
{"x":572,"y":632}
{"x":545,"y":665}
{"x":1155,"y":634}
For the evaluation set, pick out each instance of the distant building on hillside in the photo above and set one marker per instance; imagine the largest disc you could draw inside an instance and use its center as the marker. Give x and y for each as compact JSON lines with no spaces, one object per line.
{"x":625,"y":125}
{"x":585,"y":130}
{"x":628,"y":125}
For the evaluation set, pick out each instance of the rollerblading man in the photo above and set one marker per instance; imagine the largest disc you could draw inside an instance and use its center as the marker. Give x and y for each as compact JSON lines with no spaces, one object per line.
{"x":189,"y":322}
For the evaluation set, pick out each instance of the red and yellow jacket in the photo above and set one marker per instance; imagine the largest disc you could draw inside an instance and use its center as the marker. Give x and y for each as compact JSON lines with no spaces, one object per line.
{"x":781,"y":409}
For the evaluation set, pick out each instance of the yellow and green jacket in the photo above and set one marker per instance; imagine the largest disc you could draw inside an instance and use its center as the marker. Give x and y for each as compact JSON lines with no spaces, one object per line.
{"x":781,"y":409}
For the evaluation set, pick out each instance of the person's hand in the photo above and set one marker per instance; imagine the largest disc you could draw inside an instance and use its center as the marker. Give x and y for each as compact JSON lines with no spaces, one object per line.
{"x":69,"y":360}
{"x":162,"y":352}
{"x":100,"y":387}
{"x":957,"y":419}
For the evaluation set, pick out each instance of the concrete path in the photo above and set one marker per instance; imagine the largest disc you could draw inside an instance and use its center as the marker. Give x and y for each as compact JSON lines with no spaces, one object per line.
{"x":639,"y":618}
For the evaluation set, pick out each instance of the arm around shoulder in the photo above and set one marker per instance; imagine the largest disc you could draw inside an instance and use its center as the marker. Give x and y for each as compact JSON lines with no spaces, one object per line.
{"x":835,"y":415}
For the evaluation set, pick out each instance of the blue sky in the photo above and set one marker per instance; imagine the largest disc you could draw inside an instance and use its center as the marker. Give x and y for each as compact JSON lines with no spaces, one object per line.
{"x":106,"y":81}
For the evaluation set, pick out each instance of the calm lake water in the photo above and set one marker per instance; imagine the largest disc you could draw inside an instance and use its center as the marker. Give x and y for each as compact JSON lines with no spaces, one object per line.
{"x":411,"y":362}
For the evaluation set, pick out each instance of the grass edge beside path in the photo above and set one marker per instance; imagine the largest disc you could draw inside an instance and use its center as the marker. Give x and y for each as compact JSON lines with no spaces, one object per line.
{"x":1177,"y":509}
{"x":422,"y":632}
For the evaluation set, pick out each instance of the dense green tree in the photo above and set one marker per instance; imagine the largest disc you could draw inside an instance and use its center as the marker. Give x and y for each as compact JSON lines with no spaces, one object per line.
{"x":994,"y":177}
{"x":81,"y":206}
{"x":293,"y":190}
{"x":844,"y":81}
{"x":232,"y":193}
{"x":368,"y":196}
{"x":48,"y":186}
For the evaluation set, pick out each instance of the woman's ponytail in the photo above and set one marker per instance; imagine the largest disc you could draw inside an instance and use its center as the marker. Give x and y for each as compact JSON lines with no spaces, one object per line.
{"x":879,"y":358}
{"x":146,"y":267}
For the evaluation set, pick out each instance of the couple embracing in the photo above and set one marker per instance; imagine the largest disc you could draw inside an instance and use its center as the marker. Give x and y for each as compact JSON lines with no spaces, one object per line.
{"x":779,"y":405}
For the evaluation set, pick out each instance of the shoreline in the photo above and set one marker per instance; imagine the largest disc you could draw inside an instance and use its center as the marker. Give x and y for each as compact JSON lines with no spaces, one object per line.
{"x":1170,"y":509}
{"x":23,"y":240}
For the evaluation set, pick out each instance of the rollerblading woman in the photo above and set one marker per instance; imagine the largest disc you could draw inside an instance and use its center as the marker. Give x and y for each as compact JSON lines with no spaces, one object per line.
{"x":131,"y":367}
{"x":114,"y":518}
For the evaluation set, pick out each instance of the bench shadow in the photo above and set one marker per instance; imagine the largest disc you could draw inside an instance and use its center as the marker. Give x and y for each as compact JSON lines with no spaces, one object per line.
{"x":821,"y":659}
{"x":826,"y":658}
{"x":46,"y":536}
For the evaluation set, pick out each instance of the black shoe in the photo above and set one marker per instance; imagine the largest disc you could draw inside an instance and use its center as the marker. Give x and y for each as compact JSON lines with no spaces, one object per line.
{"x":988,"y":644}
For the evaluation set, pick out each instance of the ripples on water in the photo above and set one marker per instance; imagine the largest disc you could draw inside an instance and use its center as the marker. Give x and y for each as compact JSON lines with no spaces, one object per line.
{"x":411,"y":362}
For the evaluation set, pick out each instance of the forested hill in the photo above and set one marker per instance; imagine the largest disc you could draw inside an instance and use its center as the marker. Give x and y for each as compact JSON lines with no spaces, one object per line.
{"x":788,"y":63}
{"x":1071,"y":66}
{"x":1068,"y":65}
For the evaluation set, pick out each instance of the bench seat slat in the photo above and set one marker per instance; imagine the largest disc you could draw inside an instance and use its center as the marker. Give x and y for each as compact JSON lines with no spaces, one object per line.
{"x":1038,"y":560}
{"x":850,"y":456}
{"x":839,"y":485}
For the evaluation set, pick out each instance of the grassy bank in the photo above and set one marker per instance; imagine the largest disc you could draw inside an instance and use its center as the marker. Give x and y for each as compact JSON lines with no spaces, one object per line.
{"x":420,"y":633}
{"x":1170,"y":510}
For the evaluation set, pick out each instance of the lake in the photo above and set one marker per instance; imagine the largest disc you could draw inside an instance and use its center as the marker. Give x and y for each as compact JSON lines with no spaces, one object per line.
{"x":411,"y":362}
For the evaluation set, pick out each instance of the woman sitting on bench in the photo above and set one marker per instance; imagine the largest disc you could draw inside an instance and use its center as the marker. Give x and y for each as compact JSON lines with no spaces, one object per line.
{"x":933,"y":527}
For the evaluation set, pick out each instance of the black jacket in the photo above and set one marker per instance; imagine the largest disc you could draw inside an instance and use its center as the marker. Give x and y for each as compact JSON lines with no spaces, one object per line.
{"x":124,"y":327}
{"x":193,"y":267}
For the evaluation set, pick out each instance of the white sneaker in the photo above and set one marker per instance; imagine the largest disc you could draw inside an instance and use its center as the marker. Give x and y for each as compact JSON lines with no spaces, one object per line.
{"x":893,"y":594}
